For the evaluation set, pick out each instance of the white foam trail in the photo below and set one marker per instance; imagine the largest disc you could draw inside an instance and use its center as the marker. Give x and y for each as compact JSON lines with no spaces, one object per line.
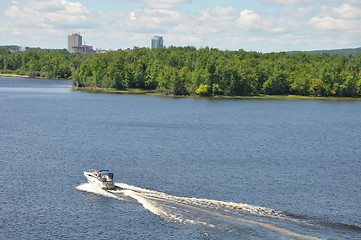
{"x":271,"y":227}
{"x":93,"y":188}
{"x":149,"y":198}
{"x":146,"y":203}
{"x":166,"y":212}
{"x":229,"y":205}
{"x":211,"y":203}
{"x":137,"y":189}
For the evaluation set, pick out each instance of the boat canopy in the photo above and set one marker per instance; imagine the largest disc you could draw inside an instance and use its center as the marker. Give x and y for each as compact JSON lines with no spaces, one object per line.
{"x":105,"y":172}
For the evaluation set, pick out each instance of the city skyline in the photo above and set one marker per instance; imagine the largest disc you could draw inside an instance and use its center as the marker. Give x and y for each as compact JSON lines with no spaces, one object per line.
{"x":260,"y":25}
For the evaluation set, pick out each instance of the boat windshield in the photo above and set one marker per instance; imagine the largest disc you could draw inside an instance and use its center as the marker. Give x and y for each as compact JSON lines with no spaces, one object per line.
{"x":106,"y":176}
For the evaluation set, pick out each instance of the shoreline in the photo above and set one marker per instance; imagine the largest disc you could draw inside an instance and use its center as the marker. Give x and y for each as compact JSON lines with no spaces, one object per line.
{"x":154,"y":93}
{"x":13,"y":75}
{"x":258,"y":97}
{"x":27,"y":76}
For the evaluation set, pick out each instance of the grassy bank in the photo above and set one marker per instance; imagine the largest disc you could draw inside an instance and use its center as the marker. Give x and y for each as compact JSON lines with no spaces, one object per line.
{"x":260,"y":97}
{"x":156,"y":93}
{"x":113,"y":90}
{"x":13,"y":75}
{"x":27,"y":76}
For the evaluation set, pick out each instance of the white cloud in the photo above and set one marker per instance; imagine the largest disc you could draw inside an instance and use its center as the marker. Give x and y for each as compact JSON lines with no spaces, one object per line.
{"x":213,"y":27}
{"x":295,"y":19}
{"x":211,"y":21}
{"x":141,"y":20}
{"x":50,"y":14}
{"x":296,"y":13}
{"x":300,"y":25}
{"x":4,"y":27}
{"x":344,"y":11}
{"x":343,"y":18}
{"x":336,"y":27}
{"x":330,"y":23}
{"x":248,"y":19}
{"x":165,"y":4}
{"x":289,"y":2}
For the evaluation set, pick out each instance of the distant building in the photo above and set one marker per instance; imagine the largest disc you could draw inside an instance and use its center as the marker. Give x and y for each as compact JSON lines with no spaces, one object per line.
{"x":82,"y":49}
{"x":75,"y":44}
{"x":101,"y":51}
{"x":157,"y":42}
{"x":73,"y":41}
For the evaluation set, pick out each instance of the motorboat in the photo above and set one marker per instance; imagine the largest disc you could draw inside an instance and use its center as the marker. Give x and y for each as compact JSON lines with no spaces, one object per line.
{"x":102,"y":178}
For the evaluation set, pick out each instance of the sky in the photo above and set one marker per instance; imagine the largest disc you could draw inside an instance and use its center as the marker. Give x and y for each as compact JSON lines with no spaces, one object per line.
{"x":257,"y":25}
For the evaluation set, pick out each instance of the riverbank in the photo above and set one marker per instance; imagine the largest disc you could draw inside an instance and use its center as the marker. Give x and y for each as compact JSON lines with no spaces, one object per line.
{"x":259,"y":97}
{"x":155,"y":93}
{"x":28,"y":76}
{"x":113,"y":90}
{"x":13,"y":75}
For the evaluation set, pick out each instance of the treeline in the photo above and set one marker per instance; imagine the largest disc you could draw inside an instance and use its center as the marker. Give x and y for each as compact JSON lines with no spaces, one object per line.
{"x":55,"y":64}
{"x":205,"y":72}
{"x":340,"y":52}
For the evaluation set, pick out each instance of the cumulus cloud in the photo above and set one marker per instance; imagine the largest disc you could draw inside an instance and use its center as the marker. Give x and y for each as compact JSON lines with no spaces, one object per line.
{"x":50,"y":14}
{"x":344,"y":17}
{"x":288,"y":2}
{"x":295,"y":22}
{"x":248,"y":19}
{"x":216,"y":25}
{"x":211,"y":21}
{"x":142,"y":20}
{"x":165,"y":4}
{"x":344,"y":11}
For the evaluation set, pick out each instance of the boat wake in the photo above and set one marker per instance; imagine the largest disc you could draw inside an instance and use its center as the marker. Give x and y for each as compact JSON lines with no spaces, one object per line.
{"x":213,"y":214}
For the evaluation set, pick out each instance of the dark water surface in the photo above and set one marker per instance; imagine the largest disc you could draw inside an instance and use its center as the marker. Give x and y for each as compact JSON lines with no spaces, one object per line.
{"x":190,"y":168}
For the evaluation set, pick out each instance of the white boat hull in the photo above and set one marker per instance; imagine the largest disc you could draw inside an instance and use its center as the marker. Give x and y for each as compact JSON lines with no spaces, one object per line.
{"x":92,"y":178}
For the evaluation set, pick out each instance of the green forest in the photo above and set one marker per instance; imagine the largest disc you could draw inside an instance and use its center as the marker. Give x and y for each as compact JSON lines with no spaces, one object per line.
{"x":191,"y":71}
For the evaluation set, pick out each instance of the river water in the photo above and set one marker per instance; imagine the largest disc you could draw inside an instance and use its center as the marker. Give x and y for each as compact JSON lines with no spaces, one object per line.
{"x":189,"y":168}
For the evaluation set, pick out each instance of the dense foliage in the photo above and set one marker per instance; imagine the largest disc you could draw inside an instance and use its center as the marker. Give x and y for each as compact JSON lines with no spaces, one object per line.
{"x":188,"y":71}
{"x":340,"y":52}
{"x":40,"y":63}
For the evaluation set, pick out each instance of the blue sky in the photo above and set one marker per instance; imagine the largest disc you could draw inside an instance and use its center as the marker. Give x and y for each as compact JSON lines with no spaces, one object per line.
{"x":258,"y":25}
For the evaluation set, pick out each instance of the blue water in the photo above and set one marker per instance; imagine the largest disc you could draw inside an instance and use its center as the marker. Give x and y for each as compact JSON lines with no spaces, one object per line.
{"x":190,"y":168}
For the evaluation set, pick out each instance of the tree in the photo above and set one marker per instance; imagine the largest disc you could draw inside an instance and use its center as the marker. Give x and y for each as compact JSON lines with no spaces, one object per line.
{"x":277,"y":84}
{"x":203,"y":90}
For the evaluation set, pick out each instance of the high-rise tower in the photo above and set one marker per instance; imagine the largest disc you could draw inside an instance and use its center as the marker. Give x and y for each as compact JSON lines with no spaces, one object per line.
{"x":74,"y":40}
{"x":157,"y":42}
{"x":75,"y":44}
